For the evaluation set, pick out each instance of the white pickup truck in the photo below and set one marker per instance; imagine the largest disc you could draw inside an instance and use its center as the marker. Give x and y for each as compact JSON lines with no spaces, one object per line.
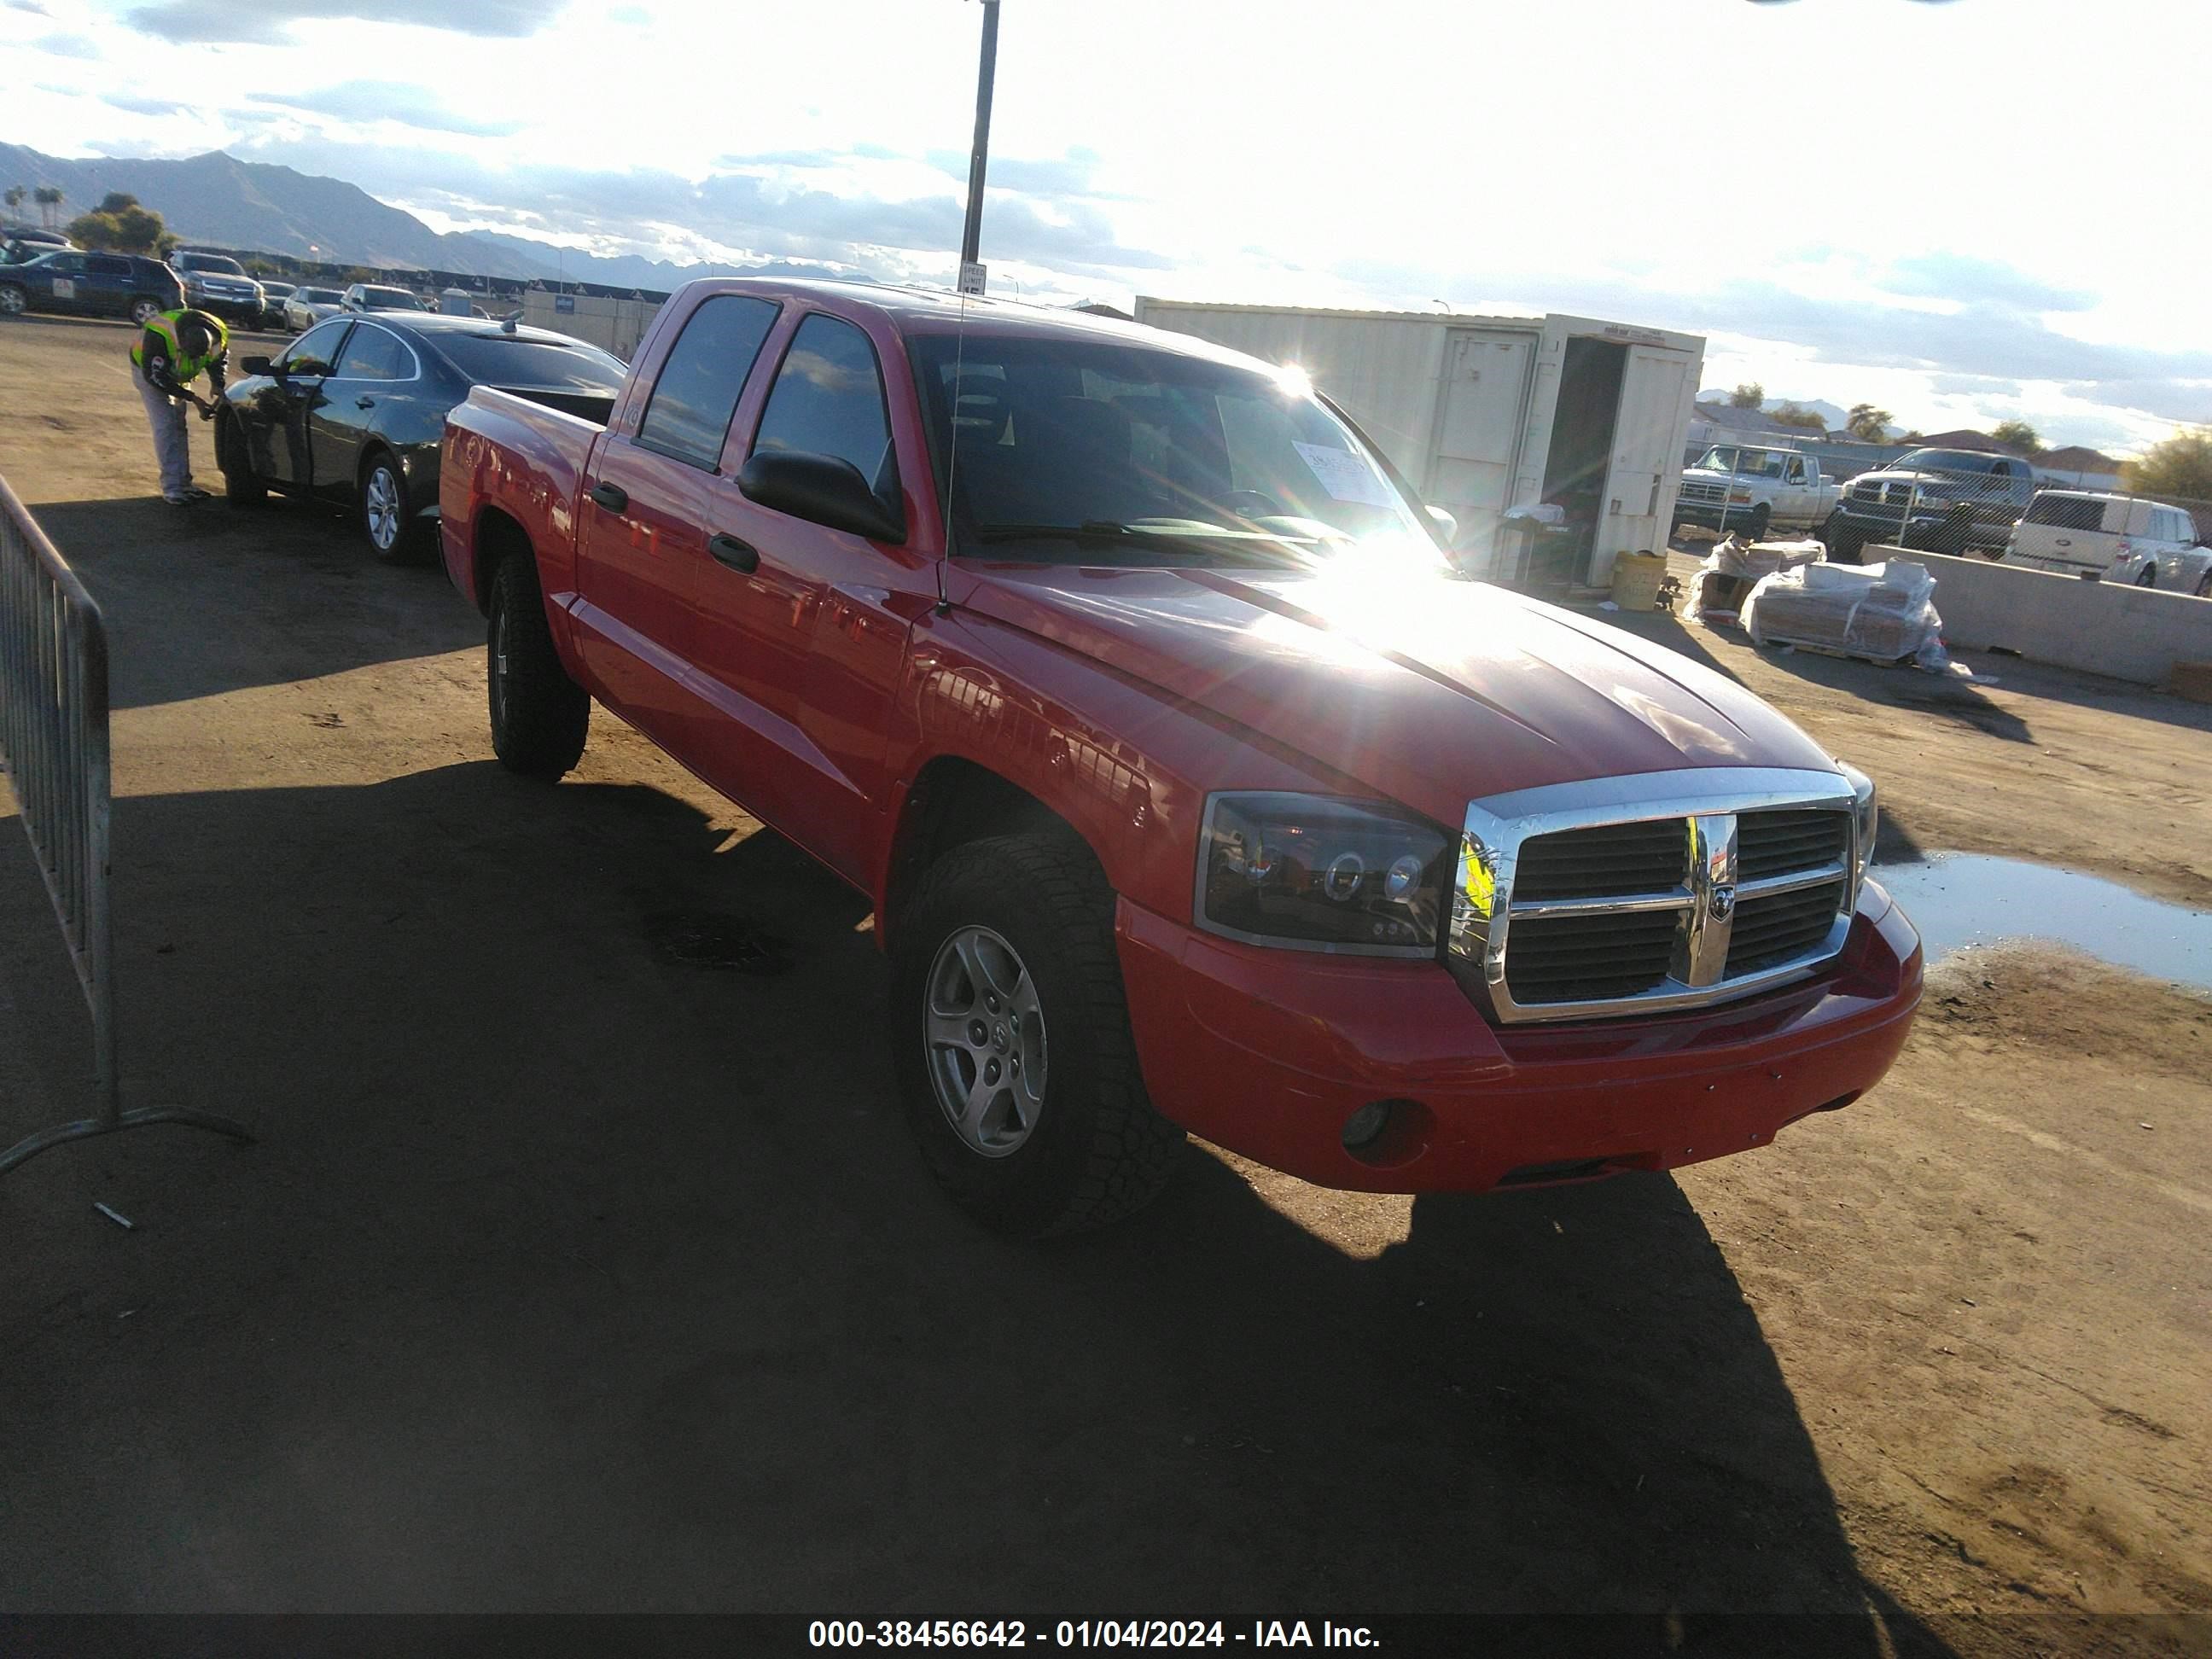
{"x":1753,"y":489}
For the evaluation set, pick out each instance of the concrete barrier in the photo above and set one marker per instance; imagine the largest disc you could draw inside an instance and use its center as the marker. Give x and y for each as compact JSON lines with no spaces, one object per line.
{"x":2129,"y":633}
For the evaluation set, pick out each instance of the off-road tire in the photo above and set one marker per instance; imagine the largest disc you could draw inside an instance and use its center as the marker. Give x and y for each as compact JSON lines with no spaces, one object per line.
{"x":242,"y":485}
{"x":1098,"y":1152}
{"x":2147,"y":576}
{"x":539,"y":716}
{"x":1761,"y":516}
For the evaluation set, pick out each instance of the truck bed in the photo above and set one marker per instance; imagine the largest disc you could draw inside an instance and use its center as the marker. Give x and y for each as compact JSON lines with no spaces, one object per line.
{"x":525,"y":453}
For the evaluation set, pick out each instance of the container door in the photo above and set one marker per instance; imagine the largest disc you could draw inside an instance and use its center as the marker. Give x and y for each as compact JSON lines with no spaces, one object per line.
{"x":1647,"y":440}
{"x":1485,"y":394}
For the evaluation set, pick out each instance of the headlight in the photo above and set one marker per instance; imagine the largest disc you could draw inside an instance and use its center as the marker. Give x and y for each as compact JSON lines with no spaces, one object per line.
{"x":1317,"y":872}
{"x":1866,"y":819}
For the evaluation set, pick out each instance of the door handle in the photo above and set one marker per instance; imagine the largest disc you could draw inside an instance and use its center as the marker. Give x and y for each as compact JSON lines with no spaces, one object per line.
{"x":613,"y":497}
{"x":739,"y":555}
{"x":2062,"y":542}
{"x":364,"y":403}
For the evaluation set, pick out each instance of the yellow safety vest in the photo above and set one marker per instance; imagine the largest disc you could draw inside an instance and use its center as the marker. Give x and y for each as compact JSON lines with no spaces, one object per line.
{"x":187,"y":369}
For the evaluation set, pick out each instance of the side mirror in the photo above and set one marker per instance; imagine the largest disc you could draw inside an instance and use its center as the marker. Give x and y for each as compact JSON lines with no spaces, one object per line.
{"x":254,"y":365}
{"x":824,"y":489}
{"x":1447,"y":524}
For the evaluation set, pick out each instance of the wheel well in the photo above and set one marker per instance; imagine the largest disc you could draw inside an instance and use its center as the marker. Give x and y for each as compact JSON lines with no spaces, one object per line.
{"x":498,"y":539}
{"x":953,"y":802}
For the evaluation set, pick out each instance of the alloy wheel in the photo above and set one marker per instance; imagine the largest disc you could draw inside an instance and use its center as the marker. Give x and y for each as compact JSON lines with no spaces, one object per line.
{"x":380,"y":506}
{"x":11,"y":301}
{"x":985,"y":1033}
{"x":144,"y":312}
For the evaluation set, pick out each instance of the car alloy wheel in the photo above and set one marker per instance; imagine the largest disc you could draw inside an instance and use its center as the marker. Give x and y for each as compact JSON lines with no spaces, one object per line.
{"x":985,"y":1032}
{"x":380,"y":508}
{"x":143,"y":312}
{"x":12,"y":301}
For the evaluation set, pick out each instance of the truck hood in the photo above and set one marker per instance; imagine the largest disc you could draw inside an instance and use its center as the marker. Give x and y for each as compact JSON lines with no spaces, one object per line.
{"x":1706,"y":475}
{"x":1422,"y":688}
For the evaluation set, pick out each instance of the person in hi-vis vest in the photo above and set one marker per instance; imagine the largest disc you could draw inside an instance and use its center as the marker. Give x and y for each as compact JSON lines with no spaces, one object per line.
{"x":177,"y":348}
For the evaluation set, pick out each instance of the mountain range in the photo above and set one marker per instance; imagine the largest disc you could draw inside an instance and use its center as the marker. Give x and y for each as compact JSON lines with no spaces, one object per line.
{"x":264,"y":207}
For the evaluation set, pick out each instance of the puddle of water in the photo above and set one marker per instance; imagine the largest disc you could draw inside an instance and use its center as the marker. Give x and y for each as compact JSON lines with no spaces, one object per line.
{"x":1958,"y":899}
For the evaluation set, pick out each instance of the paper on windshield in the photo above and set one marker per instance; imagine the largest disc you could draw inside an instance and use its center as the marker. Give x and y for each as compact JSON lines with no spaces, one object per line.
{"x":1344,"y":475}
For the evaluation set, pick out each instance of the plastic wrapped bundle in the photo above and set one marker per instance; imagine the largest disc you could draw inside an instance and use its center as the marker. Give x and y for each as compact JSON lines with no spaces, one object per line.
{"x":1882,"y":612}
{"x":1735,"y":565}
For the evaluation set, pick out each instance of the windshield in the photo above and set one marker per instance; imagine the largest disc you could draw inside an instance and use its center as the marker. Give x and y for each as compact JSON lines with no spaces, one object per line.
{"x":1205,"y":461}
{"x":215,"y":262}
{"x":1943,"y":460}
{"x":391,"y":299}
{"x":514,"y":360}
{"x":1719,"y":459}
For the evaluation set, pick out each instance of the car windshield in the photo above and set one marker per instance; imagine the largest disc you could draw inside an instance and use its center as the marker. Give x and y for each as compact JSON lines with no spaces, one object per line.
{"x":391,"y":299}
{"x":1078,"y":451}
{"x":1719,"y":459}
{"x":214,"y":263}
{"x":497,"y":358}
{"x":1944,"y":460}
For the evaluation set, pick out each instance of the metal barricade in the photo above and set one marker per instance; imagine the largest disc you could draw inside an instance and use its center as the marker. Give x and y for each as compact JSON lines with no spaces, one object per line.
{"x":54,"y":746}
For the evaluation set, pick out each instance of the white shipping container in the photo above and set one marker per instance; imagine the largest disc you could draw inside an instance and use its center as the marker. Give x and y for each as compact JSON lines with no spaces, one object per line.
{"x":1485,"y":414}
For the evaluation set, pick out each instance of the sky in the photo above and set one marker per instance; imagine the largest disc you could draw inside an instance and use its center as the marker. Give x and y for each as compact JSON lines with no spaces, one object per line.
{"x":1959,"y":210}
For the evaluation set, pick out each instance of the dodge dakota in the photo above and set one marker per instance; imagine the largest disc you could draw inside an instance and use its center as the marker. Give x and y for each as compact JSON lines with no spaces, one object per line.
{"x":1192,"y":788}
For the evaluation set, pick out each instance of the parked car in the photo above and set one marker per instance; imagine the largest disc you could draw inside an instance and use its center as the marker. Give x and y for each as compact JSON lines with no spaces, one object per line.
{"x":273,"y":296}
{"x":1945,"y":500}
{"x":91,"y":285}
{"x":1191,"y":787}
{"x":1754,"y":488}
{"x":22,"y":244}
{"x":354,"y":410}
{"x":376,"y":296}
{"x":218,"y":284}
{"x":2123,"y":539}
{"x":306,"y":307}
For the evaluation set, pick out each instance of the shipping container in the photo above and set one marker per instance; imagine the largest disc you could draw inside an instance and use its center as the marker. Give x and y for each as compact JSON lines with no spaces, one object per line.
{"x":1484,"y":415}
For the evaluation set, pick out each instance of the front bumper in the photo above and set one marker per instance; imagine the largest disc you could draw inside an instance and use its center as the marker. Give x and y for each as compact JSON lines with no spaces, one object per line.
{"x":231,"y":311}
{"x":1267,"y":1052}
{"x":1708,"y":516}
{"x":1878,"y":525}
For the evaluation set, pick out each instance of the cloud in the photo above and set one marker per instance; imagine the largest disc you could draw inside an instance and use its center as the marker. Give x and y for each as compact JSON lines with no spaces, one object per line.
{"x":65,"y":46}
{"x":145,"y":106}
{"x":31,"y":6}
{"x":267,"y":21}
{"x":1956,"y":276}
{"x":389,"y":100}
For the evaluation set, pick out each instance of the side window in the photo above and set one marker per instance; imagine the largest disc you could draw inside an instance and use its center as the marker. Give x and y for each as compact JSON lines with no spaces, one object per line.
{"x":311,"y":354}
{"x":374,"y":355}
{"x":1797,"y":472}
{"x":99,"y":265}
{"x":69,"y":264}
{"x":828,"y":400}
{"x":697,"y":391}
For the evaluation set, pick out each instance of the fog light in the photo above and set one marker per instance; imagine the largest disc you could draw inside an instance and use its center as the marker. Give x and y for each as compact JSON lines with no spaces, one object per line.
{"x":1363,"y":1126}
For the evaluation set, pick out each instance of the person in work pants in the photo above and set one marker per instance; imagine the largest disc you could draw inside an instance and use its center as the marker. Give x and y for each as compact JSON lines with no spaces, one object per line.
{"x":176,"y":348}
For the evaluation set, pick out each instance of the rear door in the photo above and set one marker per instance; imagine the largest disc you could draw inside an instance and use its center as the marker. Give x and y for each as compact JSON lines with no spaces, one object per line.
{"x":374,"y":363}
{"x":1479,"y":430}
{"x":642,"y":524}
{"x":2063,"y":534}
{"x":108,"y":284}
{"x":1648,"y":429}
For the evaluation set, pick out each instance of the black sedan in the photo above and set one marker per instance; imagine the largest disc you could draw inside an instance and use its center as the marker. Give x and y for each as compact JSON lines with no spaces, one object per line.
{"x":354,"y":409}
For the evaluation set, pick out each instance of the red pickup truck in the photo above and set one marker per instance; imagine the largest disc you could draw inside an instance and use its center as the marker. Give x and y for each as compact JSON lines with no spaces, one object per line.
{"x":1194,"y":789}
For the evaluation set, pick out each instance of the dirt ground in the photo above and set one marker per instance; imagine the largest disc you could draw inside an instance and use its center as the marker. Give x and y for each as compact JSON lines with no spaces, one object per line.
{"x":570,"y":1274}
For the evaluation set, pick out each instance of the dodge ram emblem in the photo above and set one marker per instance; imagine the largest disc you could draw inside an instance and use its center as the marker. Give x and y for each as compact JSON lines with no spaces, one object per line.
{"x":1723,"y":903}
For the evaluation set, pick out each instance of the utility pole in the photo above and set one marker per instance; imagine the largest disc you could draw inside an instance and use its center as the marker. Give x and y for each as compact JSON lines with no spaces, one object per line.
{"x":972,"y":274}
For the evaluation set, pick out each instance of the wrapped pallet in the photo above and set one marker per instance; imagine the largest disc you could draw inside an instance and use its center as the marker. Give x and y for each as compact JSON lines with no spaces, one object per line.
{"x":1880,"y":612}
{"x":1735,"y":565}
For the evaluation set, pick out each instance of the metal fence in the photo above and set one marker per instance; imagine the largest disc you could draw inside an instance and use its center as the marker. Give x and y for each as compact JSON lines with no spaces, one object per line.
{"x":54,"y":746}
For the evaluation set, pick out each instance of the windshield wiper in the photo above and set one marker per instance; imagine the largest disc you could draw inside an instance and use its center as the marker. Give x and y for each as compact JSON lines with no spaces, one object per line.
{"x":1152,"y":539}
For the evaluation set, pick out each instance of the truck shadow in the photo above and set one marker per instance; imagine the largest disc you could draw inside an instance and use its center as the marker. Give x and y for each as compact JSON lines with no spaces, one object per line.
{"x":249,"y":619}
{"x":571,"y":1274}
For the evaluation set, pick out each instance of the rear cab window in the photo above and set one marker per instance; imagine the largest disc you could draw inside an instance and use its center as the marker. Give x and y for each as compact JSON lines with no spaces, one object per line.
{"x":688,"y":418}
{"x":2067,"y":512}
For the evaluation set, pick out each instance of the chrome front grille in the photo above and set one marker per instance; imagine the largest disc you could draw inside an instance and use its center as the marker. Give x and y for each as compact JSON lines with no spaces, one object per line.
{"x":1707,"y":495}
{"x":1637,"y":895}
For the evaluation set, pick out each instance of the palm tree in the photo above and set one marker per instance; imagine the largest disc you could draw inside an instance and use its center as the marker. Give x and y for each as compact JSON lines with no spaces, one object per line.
{"x":14,"y":197}
{"x":49,"y":199}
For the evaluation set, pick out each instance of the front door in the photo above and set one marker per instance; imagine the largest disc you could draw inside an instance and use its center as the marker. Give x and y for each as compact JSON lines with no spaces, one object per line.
{"x":813,"y":635}
{"x":276,"y":416}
